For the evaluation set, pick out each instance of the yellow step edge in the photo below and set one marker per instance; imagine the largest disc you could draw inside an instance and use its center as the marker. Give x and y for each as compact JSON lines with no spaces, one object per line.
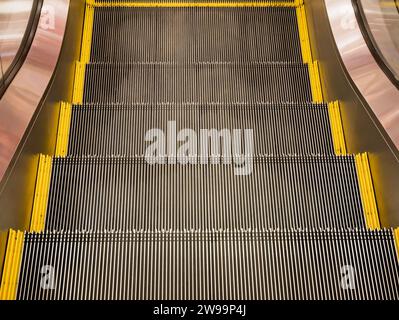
{"x":367,"y":192}
{"x":42,"y":189}
{"x":78,"y":86}
{"x":315,"y":82}
{"x":304,"y":33}
{"x":64,"y":123}
{"x":337,"y":129}
{"x":396,"y":237}
{"x":87,"y":33}
{"x":215,"y":4}
{"x":12,"y":264}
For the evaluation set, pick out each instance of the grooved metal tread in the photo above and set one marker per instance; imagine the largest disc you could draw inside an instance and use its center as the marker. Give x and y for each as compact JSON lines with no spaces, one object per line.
{"x":198,"y":82}
{"x":195,"y":34}
{"x":118,"y":193}
{"x":212,"y":265}
{"x":120,"y":225}
{"x":117,"y":129}
{"x":193,"y":1}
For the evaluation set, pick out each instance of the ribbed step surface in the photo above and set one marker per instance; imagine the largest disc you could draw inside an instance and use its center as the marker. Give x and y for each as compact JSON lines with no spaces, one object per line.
{"x":200,"y":230}
{"x":200,"y":82}
{"x":212,"y":265}
{"x":128,"y":193}
{"x":195,"y":34}
{"x":277,"y":128}
{"x":268,"y":2}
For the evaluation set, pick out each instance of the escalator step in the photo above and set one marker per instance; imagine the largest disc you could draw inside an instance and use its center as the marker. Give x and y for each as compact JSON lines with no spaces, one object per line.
{"x":90,"y":193}
{"x":211,"y":265}
{"x":116,"y":3}
{"x":277,"y":128}
{"x":195,"y":34}
{"x":201,"y":82}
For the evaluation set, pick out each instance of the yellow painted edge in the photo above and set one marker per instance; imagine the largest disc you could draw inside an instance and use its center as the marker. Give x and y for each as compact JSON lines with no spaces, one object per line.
{"x":363,"y":190}
{"x":315,"y":83}
{"x":370,"y":188}
{"x":60,"y":129}
{"x":340,"y":128}
{"x":304,"y":34}
{"x":64,"y":123}
{"x":45,"y":192}
{"x":12,"y":265}
{"x":396,"y":237}
{"x":7,"y":266}
{"x":367,"y":192}
{"x":42,"y":189}
{"x":194,"y":4}
{"x":316,"y":69}
{"x":336,"y":128}
{"x":87,"y":33}
{"x":78,"y":86}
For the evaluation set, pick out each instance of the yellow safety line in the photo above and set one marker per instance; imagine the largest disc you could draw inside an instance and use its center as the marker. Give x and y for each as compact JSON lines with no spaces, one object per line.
{"x":194,"y":4}
{"x":78,"y":86}
{"x":315,"y":83}
{"x":42,"y":189}
{"x":314,"y":68}
{"x":87,"y":33}
{"x":12,"y":264}
{"x":396,"y":237}
{"x":367,"y":192}
{"x":80,"y":68}
{"x":64,"y":123}
{"x":336,"y":128}
{"x":304,"y":34}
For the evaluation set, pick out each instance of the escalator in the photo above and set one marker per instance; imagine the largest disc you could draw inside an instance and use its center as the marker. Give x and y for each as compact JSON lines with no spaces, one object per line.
{"x":112,"y":221}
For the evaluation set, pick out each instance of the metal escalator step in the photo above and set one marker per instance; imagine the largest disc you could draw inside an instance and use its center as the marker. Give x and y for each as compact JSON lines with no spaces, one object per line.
{"x":120,"y":3}
{"x":200,"y":265}
{"x":89,"y":193}
{"x":277,"y":128}
{"x":201,"y":82}
{"x":195,"y":34}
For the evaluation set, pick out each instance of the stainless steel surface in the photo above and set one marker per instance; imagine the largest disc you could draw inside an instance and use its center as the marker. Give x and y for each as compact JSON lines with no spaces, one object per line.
{"x":266,"y":121}
{"x":363,"y":131}
{"x":141,"y":196}
{"x":14,"y":17}
{"x":379,"y":92}
{"x":208,"y":265}
{"x":19,"y":103}
{"x":18,"y":184}
{"x":382,"y":19}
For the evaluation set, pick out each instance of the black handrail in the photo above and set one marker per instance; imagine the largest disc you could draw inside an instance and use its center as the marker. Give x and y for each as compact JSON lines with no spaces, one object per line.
{"x":24,"y":47}
{"x":2,"y":72}
{"x":371,"y":44}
